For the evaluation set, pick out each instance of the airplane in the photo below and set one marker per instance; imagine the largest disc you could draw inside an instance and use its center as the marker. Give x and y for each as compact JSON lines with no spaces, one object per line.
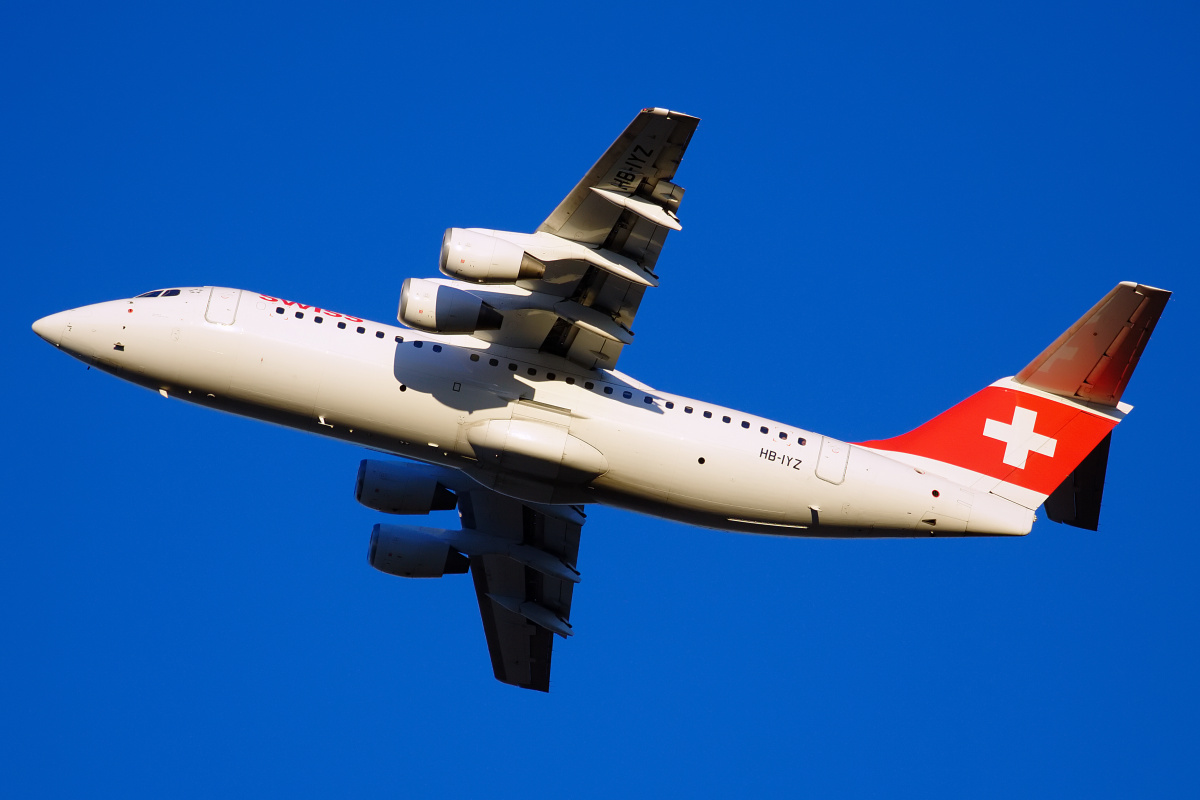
{"x":500,"y":395}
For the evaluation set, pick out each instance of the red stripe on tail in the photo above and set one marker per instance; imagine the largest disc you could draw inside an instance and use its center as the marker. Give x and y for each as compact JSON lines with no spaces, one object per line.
{"x":1021,"y":438}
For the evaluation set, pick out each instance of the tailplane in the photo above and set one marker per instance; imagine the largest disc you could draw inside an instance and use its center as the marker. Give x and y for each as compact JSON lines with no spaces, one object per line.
{"x":1043,"y":435}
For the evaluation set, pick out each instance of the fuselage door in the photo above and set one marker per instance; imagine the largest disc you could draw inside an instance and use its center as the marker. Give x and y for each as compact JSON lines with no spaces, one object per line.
{"x":222,"y":305}
{"x":831,"y":463}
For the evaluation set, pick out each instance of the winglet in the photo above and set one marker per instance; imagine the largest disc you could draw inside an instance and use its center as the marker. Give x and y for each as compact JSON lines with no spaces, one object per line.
{"x":1094,"y":358}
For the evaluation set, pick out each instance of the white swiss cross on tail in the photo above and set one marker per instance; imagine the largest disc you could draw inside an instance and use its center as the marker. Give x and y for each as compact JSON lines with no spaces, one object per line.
{"x":1019,"y":438}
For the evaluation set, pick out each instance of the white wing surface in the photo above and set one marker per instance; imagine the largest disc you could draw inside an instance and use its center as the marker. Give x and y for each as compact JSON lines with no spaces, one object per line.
{"x":572,"y":288}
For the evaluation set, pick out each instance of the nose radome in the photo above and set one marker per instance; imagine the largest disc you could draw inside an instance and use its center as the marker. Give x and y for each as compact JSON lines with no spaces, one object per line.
{"x":51,"y":328}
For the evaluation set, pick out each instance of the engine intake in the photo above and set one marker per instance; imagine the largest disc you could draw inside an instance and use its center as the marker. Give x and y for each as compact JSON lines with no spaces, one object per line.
{"x":482,"y":258}
{"x":400,"y":487}
{"x":411,"y":552}
{"x":435,"y":307}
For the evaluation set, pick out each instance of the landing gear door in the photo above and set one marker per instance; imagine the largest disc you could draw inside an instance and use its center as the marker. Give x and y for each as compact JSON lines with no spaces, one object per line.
{"x":222,"y":305}
{"x":831,"y":463}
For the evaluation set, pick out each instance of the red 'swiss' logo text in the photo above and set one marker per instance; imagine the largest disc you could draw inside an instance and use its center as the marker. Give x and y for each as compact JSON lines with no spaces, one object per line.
{"x":314,"y":309}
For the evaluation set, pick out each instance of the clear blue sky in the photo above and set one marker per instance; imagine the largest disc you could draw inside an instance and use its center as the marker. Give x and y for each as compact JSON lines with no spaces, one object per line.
{"x":887,"y":209}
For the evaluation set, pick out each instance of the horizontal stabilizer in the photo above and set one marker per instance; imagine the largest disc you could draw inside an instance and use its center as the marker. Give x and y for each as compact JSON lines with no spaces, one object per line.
{"x":1076,"y":501}
{"x":1094,"y":359}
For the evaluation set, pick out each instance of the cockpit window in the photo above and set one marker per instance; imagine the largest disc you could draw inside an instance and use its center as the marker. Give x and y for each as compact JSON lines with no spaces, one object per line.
{"x":170,"y":293}
{"x":162,"y":292}
{"x":152,"y":294}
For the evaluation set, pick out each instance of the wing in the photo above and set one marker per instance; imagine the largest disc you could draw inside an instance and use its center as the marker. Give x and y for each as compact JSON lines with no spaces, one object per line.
{"x":524,"y":585}
{"x":626,"y":202}
{"x":573,"y":287}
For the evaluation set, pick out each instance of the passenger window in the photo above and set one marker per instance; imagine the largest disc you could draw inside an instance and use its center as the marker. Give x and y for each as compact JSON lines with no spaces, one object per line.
{"x":437,"y":348}
{"x":589,"y":385}
{"x":708,"y":415}
{"x":570,"y":381}
{"x":550,"y":376}
{"x":361,"y":329}
{"x":279,"y":310}
{"x":783,"y":434}
{"x":745,"y":424}
{"x":493,"y":362}
{"x":418,"y":344}
{"x":474,"y":356}
{"x":687,"y":409}
{"x":532,"y":371}
{"x":399,"y":339}
{"x":608,"y":390}
{"x":299,"y":315}
{"x":342,"y":325}
{"x":627,"y":395}
{"x":726,"y":419}
{"x":512,"y":367}
{"x":318,"y":320}
{"x":802,"y":442}
{"x":171,"y":293}
{"x":648,"y":400}
{"x":670,"y":404}
{"x":762,"y":430}
{"x":378,"y":334}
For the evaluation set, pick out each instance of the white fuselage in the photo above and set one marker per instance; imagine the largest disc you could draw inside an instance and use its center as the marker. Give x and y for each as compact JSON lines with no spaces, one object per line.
{"x":530,"y":425}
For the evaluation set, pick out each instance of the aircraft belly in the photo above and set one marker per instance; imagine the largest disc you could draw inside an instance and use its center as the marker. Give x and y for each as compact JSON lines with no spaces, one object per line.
{"x":721,"y":484}
{"x":884,"y":497}
{"x":633,"y":453}
{"x":179,"y":353}
{"x":727,"y":484}
{"x":715,"y":477}
{"x":282,"y":375}
{"x":416,"y":411}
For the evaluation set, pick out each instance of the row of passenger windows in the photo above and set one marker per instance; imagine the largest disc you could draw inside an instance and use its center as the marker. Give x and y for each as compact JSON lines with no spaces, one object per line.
{"x":550,"y":376}
{"x":627,"y":394}
{"x":160,"y":293}
{"x":317,"y":318}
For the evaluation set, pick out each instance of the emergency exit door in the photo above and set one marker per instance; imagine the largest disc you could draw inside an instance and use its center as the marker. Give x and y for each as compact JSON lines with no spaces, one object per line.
{"x":831,"y":463}
{"x":222,"y":305}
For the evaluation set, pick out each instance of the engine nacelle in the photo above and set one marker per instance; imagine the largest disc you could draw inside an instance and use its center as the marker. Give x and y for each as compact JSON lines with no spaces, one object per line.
{"x":399,"y":487}
{"x":482,"y":258}
{"x":413,"y":553}
{"x":438,"y":308}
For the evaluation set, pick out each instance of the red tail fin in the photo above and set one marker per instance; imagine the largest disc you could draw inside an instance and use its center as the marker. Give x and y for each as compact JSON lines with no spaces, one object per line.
{"x":1010,"y":434}
{"x":1022,"y":437}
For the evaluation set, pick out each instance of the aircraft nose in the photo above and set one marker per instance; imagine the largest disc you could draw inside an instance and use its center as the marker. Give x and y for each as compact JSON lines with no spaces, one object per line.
{"x":51,"y":328}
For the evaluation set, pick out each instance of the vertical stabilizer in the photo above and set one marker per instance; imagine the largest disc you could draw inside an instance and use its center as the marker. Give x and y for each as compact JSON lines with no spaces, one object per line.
{"x":1095,"y":357}
{"x":1045,"y":433}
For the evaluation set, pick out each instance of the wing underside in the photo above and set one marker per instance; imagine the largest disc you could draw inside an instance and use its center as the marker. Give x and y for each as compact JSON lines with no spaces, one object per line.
{"x":525,"y":591}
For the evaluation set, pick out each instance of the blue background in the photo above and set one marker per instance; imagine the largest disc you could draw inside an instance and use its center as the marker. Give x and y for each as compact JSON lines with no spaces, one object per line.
{"x":887,"y":210}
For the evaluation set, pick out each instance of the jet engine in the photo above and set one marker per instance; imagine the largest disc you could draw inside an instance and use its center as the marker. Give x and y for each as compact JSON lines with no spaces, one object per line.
{"x":413,"y":553}
{"x":437,"y":308}
{"x":399,"y":487}
{"x":478,"y":257}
